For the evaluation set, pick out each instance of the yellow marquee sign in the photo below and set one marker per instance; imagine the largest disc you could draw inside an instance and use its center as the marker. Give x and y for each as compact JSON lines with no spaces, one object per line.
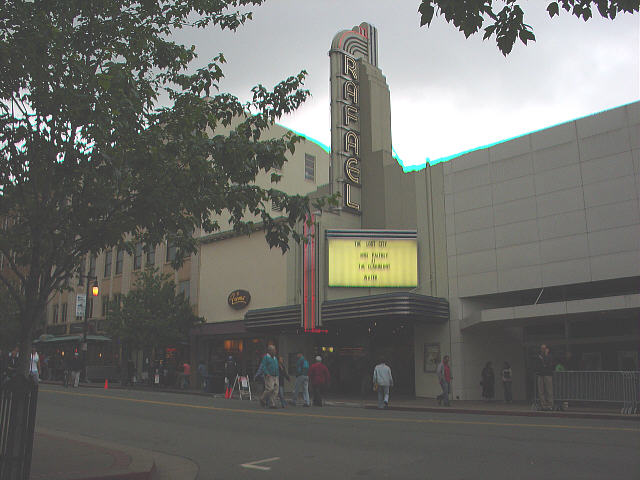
{"x":373,"y":262}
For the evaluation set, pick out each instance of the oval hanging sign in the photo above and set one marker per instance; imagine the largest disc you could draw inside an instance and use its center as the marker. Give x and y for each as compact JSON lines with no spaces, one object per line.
{"x":239,"y":299}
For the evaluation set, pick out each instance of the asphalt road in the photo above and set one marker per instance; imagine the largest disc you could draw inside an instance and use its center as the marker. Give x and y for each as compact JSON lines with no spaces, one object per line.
{"x":343,"y":443}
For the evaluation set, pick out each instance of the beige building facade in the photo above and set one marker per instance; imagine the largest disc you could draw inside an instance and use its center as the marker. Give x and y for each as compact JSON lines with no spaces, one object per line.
{"x":532,"y":240}
{"x":482,"y":257}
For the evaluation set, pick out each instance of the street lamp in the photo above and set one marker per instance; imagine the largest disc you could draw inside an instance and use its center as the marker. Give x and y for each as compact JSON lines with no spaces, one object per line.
{"x":94,"y":291}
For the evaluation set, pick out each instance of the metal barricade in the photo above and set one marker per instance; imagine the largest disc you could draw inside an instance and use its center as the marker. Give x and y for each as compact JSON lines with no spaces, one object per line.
{"x":618,"y":387}
{"x":18,"y":400}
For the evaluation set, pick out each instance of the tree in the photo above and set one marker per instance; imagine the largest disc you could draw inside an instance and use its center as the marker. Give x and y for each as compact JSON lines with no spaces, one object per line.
{"x":507,"y":23}
{"x":152,"y":314}
{"x":9,"y":321}
{"x":89,"y":161}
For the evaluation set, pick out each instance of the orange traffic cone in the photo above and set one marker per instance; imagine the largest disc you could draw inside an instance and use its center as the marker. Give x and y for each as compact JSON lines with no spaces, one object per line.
{"x":106,"y":383}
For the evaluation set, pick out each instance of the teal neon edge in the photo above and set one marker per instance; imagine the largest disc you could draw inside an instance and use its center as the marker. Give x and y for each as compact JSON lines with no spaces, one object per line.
{"x":311,"y":139}
{"x":414,"y":168}
{"x":420,"y":166}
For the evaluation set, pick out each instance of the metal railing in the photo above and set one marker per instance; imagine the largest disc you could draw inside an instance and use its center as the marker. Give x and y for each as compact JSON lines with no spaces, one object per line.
{"x":18,"y":400}
{"x":613,"y":387}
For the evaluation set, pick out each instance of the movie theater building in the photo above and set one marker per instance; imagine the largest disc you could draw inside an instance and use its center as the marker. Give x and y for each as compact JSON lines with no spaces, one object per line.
{"x":481,"y":257}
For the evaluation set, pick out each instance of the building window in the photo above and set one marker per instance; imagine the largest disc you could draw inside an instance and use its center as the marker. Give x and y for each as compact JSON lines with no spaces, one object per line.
{"x":276,"y":205}
{"x":81,"y":271}
{"x":171,"y":251}
{"x":309,"y":167}
{"x":137,"y":257}
{"x":92,"y":265}
{"x":63,"y":318}
{"x":119,"y":260}
{"x":151,"y":255}
{"x":55,"y":314}
{"x":107,"y":263}
{"x":117,"y":299}
{"x":105,"y":305}
{"x":185,"y":288}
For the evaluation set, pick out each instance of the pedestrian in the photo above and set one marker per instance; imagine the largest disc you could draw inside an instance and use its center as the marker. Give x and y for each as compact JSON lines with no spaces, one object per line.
{"x":34,"y":365}
{"x":76,"y":368}
{"x":544,"y":377}
{"x":66,"y":371}
{"x":230,"y":374}
{"x":186,"y":375}
{"x":506,"y":382}
{"x":302,"y":381}
{"x":488,"y":382}
{"x":4,"y":358}
{"x":202,"y":375}
{"x":319,"y":378}
{"x":444,"y":377}
{"x":283,"y":375}
{"x":131,"y":372}
{"x":270,"y":370}
{"x":382,"y":382}
{"x":45,"y":366}
{"x":12,"y":364}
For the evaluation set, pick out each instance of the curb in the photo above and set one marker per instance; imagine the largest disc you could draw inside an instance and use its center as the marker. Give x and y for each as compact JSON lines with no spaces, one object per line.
{"x":136,"y":389}
{"x":141,"y":466}
{"x":516,"y":413}
{"x":338,"y":403}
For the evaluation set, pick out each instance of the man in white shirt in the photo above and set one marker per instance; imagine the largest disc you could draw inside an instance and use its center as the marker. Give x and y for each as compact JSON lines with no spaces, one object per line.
{"x":383,"y":381}
{"x":34,"y":365}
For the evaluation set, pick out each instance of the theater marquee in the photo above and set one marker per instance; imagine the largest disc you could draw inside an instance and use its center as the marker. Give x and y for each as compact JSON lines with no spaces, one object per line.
{"x":372,"y":258}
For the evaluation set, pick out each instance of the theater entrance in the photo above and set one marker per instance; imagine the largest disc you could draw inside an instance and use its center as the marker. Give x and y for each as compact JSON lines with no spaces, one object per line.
{"x":352,"y":351}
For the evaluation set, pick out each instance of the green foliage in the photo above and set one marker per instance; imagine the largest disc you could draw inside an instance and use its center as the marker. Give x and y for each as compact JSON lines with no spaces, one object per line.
{"x":506,"y":20}
{"x":152,"y":315}
{"x":87,"y":159}
{"x":9,"y":321}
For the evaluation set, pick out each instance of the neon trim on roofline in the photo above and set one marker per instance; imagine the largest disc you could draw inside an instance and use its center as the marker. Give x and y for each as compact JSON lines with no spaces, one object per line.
{"x":420,"y":166}
{"x":307,"y":137}
{"x":417,"y":167}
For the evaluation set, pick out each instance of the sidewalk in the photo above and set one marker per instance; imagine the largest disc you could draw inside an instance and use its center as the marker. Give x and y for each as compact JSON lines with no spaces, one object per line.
{"x":64,"y":456}
{"x":476,"y":407}
{"x":413,"y":404}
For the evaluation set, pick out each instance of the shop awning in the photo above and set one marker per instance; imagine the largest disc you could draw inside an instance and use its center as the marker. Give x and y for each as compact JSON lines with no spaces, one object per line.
{"x":71,"y":338}
{"x":288,"y":315}
{"x":219,"y":328}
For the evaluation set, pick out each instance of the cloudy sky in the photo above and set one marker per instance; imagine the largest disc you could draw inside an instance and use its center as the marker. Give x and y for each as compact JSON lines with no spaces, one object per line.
{"x":448,"y":94}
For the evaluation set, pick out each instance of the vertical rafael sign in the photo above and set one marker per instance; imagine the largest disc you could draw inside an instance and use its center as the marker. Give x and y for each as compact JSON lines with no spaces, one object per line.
{"x":348,"y":50}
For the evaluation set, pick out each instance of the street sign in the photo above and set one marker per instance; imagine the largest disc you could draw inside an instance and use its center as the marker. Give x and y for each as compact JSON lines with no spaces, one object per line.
{"x":81,"y":303}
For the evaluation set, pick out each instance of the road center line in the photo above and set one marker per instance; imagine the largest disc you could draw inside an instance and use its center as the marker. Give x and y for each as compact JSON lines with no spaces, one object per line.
{"x":347,"y":417}
{"x":255,"y":465}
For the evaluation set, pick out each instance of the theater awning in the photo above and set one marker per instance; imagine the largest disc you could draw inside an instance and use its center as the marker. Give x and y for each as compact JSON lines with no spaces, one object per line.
{"x":406,"y":305}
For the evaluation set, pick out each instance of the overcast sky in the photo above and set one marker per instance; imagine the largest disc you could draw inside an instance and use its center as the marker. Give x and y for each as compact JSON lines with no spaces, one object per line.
{"x":448,"y":94}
